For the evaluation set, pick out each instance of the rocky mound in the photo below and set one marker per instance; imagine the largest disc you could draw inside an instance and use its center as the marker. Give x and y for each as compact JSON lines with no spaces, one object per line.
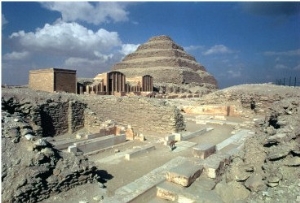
{"x":32,"y":169}
{"x":267,"y":167}
{"x":167,"y":63}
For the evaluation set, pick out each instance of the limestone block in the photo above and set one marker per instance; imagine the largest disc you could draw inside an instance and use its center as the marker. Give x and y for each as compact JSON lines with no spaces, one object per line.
{"x":178,"y":136}
{"x":185,"y":174}
{"x":99,"y":143}
{"x":167,"y":191}
{"x":223,"y":118}
{"x":138,"y":151}
{"x":165,"y":194}
{"x":168,"y":139}
{"x":255,"y":183}
{"x":204,"y":150}
{"x":129,"y":133}
{"x":79,"y":135}
{"x":72,"y":149}
{"x":212,"y":170}
{"x":92,"y":136}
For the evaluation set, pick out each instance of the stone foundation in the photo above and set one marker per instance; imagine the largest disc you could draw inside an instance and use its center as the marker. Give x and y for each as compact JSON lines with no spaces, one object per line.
{"x":145,"y":115}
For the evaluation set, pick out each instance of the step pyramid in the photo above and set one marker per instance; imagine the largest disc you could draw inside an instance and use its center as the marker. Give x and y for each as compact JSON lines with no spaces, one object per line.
{"x":167,"y":63}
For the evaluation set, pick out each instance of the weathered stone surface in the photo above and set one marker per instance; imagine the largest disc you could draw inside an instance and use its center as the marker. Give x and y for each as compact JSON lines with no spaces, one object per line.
{"x":202,"y":151}
{"x":255,"y":183}
{"x":231,"y":192}
{"x":143,"y":114}
{"x":165,"y":193}
{"x":292,"y":161}
{"x":185,"y":174}
{"x":138,"y":151}
{"x":278,"y":153}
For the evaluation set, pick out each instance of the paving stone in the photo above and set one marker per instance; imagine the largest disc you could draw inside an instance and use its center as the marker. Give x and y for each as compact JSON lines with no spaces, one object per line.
{"x":184,"y":174}
{"x":138,"y":151}
{"x":204,"y":150}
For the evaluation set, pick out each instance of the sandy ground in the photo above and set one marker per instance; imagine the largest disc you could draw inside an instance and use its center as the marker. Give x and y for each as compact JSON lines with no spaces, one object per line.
{"x":119,"y":172}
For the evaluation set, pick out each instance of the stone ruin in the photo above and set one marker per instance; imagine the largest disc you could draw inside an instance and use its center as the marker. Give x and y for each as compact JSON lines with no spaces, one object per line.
{"x":159,"y":65}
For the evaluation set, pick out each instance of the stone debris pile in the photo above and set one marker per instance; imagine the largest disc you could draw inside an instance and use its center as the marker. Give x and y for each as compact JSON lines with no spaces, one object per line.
{"x":32,"y":169}
{"x":269,"y":164}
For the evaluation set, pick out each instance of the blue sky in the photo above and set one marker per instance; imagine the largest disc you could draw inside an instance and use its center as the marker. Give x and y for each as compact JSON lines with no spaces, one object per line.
{"x":237,"y":42}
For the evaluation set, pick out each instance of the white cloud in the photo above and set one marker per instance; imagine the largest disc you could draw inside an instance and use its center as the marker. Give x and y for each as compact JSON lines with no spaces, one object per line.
{"x":297,"y":67}
{"x":3,"y":20}
{"x":95,"y":13}
{"x":283,"y":53}
{"x":66,"y":39}
{"x":218,"y":49}
{"x":280,"y":66}
{"x":234,"y":73}
{"x":81,"y":62}
{"x":64,"y":45}
{"x":16,"y":56}
{"x":193,"y":48}
{"x":128,"y":48}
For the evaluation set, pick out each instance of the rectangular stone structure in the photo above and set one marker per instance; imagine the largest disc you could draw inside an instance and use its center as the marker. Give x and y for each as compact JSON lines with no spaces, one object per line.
{"x":178,"y":136}
{"x":63,"y":144}
{"x":215,"y":164}
{"x":72,"y":149}
{"x":185,"y":174}
{"x":193,"y":134}
{"x":92,"y":136}
{"x":138,"y":151}
{"x":166,"y":191}
{"x":53,"y":80}
{"x":100,"y":143}
{"x":204,"y":150}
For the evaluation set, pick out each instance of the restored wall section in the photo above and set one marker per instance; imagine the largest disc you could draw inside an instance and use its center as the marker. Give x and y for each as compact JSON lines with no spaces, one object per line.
{"x":57,"y":118}
{"x":41,"y":80}
{"x":53,"y":79}
{"x":54,"y":118}
{"x":65,"y":80}
{"x":76,"y":116}
{"x":143,"y":114}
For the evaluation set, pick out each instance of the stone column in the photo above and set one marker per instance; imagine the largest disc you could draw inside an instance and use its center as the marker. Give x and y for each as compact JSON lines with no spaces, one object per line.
{"x":96,"y":89}
{"x":151,"y":84}
{"x":80,"y":90}
{"x":101,"y":86}
{"x":116,"y":82}
{"x":112,"y":83}
{"x":147,"y":84}
{"x":123,"y":83}
{"x":88,"y":89}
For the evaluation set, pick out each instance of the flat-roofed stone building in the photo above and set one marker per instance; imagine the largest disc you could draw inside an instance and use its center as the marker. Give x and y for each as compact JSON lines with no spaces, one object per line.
{"x":53,"y":80}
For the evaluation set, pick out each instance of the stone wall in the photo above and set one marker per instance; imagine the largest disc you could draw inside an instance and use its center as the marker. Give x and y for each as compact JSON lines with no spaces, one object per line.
{"x":49,"y":117}
{"x":54,"y":118}
{"x":65,"y":81}
{"x":166,"y":74}
{"x":145,"y":115}
{"x":76,"y":116}
{"x":53,"y":79}
{"x":41,"y":80}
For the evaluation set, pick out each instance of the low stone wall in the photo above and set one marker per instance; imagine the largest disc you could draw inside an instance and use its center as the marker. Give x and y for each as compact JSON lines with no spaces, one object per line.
{"x":143,"y":114}
{"x":49,"y":114}
{"x":225,"y":110}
